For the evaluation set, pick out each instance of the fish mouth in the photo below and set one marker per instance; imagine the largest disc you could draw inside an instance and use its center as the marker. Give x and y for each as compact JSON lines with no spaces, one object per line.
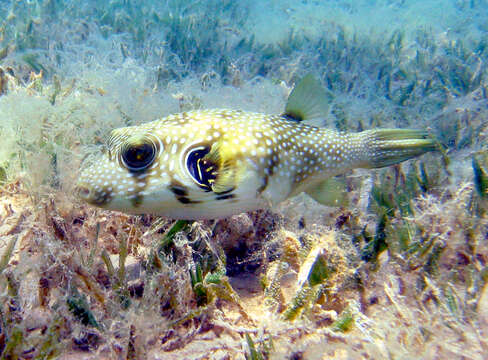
{"x":82,"y":192}
{"x":91,"y":196}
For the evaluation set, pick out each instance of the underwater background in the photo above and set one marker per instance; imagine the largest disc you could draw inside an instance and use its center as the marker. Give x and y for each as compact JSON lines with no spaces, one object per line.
{"x":396,"y":269}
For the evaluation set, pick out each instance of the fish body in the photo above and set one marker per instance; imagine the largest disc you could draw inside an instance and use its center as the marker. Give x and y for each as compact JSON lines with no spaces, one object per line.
{"x":207,"y":164}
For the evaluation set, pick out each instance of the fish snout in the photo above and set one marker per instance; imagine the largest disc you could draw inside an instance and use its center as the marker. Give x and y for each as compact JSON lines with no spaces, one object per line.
{"x":87,"y":193}
{"x":82,"y":191}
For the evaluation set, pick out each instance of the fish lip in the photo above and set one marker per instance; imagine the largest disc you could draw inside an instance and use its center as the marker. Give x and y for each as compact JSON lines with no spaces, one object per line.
{"x":83,"y":192}
{"x":92,"y":197}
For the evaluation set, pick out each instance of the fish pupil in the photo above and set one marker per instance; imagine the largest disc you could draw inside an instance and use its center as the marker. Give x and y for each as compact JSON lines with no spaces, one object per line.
{"x":201,"y":169}
{"x":139,"y":157}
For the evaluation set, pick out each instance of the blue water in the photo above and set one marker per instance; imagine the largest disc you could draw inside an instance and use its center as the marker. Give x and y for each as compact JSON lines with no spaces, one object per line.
{"x":371,"y":50}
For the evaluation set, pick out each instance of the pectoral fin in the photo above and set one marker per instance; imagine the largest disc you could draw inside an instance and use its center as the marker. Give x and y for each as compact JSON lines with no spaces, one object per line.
{"x":227,"y":174}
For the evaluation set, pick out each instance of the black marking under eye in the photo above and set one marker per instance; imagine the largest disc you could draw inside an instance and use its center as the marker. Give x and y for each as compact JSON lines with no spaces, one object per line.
{"x":186,"y":200}
{"x":201,"y":169}
{"x":226,"y":191}
{"x":225,"y":197}
{"x":181,"y":193}
{"x":178,"y":190}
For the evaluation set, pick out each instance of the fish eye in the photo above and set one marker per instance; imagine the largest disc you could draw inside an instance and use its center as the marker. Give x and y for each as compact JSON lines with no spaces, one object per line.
{"x":202,"y":170}
{"x":138,"y":156}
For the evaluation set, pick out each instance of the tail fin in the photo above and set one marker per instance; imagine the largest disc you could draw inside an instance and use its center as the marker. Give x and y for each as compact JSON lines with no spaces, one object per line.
{"x":385,"y":147}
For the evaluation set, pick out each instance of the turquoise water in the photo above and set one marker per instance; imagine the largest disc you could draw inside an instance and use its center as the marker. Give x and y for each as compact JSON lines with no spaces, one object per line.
{"x":398,"y":269}
{"x":386,"y":63}
{"x":416,"y":55}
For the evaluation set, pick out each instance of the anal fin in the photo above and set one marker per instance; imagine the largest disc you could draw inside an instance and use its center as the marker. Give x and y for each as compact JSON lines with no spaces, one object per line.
{"x":330,"y":192}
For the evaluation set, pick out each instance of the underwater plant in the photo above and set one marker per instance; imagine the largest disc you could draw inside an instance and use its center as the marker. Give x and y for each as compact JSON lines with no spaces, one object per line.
{"x":391,"y":263}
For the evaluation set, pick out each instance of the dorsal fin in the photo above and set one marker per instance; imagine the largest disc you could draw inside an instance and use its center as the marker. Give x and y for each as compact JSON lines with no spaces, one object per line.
{"x":308,"y":102}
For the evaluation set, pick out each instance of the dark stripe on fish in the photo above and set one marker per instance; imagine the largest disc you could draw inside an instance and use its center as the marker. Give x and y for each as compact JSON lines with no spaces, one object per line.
{"x":226,"y":191}
{"x":178,"y":190}
{"x":186,"y":200}
{"x":224,"y":197}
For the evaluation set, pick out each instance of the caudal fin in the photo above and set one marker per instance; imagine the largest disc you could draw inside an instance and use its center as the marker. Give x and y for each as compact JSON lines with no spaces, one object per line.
{"x":385,"y":147}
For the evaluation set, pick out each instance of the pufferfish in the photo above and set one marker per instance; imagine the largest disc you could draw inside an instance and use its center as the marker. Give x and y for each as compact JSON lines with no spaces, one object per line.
{"x":208,"y":164}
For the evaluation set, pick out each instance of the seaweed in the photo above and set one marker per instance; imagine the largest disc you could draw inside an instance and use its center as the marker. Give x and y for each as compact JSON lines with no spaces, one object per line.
{"x":7,"y":254}
{"x":13,"y":344}
{"x":480,"y":177}
{"x":254,"y":354}
{"x":405,"y":264}
{"x":168,"y":239}
{"x":374,"y":246}
{"x":79,"y":307}
{"x":321,"y":266}
{"x":344,"y":323}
